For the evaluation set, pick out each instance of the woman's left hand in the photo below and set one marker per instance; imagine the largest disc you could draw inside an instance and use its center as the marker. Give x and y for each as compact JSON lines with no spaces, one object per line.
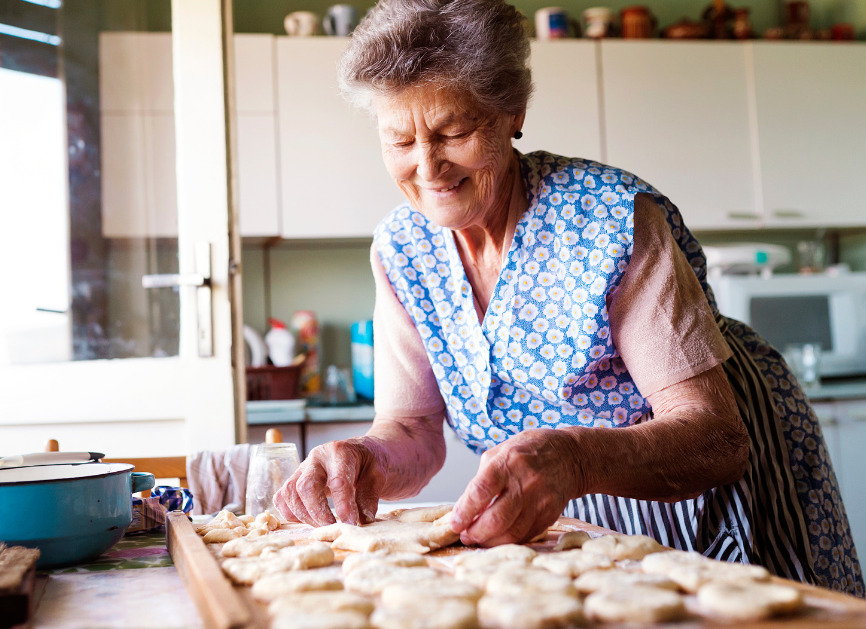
{"x":532,"y":476}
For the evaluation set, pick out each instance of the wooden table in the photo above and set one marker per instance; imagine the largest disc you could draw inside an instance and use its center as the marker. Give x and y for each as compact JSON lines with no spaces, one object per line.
{"x":225,"y":606}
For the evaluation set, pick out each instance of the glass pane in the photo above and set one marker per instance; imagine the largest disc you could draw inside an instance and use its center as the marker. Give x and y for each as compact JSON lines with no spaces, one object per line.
{"x":87,"y":180}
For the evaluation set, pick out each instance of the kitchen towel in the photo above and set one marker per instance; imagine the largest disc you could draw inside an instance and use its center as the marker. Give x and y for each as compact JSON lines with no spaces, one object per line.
{"x":218,"y":479}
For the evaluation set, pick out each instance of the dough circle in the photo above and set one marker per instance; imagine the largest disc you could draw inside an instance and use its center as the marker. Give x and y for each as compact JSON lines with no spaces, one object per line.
{"x":596,"y":580}
{"x":336,"y":620}
{"x":383,"y":557}
{"x":634,"y":604}
{"x":520,"y":581}
{"x":623,"y":546}
{"x":428,"y":614}
{"x":321,"y":602}
{"x":572,"y":563}
{"x":539,"y":611}
{"x":408,"y":594}
{"x":572,"y":539}
{"x":495,"y":556}
{"x":371,"y":580}
{"x":425,"y":514}
{"x":390,"y":535}
{"x":273,"y":586}
{"x":749,"y":601}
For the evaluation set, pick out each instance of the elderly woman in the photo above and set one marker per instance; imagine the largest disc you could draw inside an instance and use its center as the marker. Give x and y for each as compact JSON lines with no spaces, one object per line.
{"x":555,"y":313}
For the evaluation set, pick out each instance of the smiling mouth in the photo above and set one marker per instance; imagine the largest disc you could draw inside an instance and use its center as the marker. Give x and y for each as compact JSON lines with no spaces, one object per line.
{"x":449,"y":187}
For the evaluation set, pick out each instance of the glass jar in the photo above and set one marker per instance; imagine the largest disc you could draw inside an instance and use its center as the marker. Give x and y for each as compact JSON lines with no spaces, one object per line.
{"x":271,"y":465}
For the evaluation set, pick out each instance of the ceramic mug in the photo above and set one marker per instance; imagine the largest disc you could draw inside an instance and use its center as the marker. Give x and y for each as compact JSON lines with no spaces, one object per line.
{"x":302,"y":24}
{"x":638,"y":22}
{"x":597,"y":22}
{"x":340,"y":20}
{"x":551,"y":23}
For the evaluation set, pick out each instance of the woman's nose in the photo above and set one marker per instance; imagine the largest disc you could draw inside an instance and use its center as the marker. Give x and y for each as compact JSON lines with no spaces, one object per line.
{"x":430,"y":163}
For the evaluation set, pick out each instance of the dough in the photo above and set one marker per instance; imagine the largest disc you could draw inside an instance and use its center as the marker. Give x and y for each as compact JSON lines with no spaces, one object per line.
{"x":623,"y":546}
{"x":314,"y":620}
{"x":391,"y":535}
{"x":405,"y":560}
{"x":539,"y":611}
{"x":320,"y":602}
{"x":220,"y":536}
{"x":276,"y":585}
{"x":248,"y":570}
{"x":572,"y":563}
{"x":749,"y":601}
{"x":481,"y":575}
{"x":265,"y":521}
{"x":373,"y":579}
{"x":639,"y":603}
{"x":596,"y":580}
{"x":255,"y":533}
{"x":408,"y":594}
{"x":246,"y":547}
{"x":496,"y":555}
{"x":572,"y":539}
{"x":520,"y":581}
{"x":691,"y":570}
{"x":428,"y":614}
{"x":247,"y":519}
{"x":425,"y":514}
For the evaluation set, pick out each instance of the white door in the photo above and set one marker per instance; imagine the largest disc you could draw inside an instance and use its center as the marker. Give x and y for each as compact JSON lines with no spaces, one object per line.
{"x":88,"y":355}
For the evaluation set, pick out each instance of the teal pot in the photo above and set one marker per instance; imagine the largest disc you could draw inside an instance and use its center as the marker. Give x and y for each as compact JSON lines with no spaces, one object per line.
{"x":72,"y":513}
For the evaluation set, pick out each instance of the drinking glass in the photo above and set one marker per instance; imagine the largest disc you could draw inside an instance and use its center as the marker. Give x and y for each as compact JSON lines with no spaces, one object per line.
{"x":271,"y":465}
{"x":805,"y":361}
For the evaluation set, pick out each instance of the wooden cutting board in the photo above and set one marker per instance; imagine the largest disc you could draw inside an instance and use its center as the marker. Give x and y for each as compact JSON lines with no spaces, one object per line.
{"x":225,"y":606}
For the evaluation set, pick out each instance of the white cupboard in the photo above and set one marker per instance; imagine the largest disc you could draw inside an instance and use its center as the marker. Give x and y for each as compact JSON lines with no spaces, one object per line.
{"x":811,"y":115}
{"x":677,"y":115}
{"x":334,"y":183}
{"x":563,"y":115}
{"x":257,"y":135}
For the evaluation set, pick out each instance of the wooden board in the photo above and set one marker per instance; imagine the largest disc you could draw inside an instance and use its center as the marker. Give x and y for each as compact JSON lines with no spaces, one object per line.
{"x":221,"y":604}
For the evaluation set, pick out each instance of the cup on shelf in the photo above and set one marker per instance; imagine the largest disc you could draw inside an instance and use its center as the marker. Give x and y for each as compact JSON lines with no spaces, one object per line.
{"x":804,"y":359}
{"x":551,"y":23}
{"x":302,"y":24}
{"x":340,"y":20}
{"x":597,"y":22}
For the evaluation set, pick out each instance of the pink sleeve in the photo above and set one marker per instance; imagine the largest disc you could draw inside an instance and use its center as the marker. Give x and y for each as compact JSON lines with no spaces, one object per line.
{"x":404,"y":382}
{"x":661,"y":323}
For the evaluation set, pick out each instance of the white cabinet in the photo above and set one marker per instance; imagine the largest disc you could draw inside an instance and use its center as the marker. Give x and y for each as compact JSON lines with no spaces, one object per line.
{"x":811,"y":102}
{"x":136,"y":101}
{"x":563,"y":115}
{"x":677,"y":115}
{"x":258,"y":151}
{"x":334,"y":183}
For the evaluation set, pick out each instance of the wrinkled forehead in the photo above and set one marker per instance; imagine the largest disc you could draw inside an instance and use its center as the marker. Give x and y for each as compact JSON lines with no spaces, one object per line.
{"x":429,"y":107}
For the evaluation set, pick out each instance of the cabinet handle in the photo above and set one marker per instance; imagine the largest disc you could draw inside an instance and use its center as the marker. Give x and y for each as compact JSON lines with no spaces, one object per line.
{"x":790,"y":214}
{"x":743,"y":216}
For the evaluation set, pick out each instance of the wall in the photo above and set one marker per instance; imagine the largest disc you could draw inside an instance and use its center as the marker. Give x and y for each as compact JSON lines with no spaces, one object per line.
{"x":266,"y":16}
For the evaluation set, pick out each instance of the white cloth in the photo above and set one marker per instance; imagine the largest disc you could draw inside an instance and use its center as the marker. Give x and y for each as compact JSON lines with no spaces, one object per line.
{"x":217,"y":479}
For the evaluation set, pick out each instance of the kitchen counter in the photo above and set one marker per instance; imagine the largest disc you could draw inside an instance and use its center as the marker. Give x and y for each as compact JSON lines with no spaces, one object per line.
{"x":296,"y":412}
{"x":849,"y":390}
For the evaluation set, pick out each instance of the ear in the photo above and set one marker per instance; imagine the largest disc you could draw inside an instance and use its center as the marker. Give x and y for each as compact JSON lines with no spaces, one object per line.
{"x":517,"y":124}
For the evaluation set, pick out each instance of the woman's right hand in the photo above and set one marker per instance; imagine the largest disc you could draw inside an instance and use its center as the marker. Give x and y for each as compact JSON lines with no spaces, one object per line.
{"x":349,"y":471}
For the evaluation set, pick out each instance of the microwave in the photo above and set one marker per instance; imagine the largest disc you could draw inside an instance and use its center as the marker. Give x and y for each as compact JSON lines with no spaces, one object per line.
{"x":791,"y":309}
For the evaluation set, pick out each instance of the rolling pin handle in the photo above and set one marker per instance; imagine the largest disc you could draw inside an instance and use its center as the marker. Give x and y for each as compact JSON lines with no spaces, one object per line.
{"x":273,"y":435}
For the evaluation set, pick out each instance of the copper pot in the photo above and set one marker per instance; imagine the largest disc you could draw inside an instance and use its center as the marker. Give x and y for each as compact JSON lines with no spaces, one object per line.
{"x":638,"y":22}
{"x":686,"y":29}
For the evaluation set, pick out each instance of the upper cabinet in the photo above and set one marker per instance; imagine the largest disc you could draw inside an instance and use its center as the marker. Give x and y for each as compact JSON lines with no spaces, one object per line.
{"x":257,"y":138}
{"x":811,"y":113}
{"x":563,"y":115}
{"x":677,"y":115}
{"x":334,"y":183}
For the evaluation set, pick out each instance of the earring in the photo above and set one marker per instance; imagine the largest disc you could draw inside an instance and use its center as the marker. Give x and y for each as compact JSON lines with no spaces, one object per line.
{"x":518,"y":135}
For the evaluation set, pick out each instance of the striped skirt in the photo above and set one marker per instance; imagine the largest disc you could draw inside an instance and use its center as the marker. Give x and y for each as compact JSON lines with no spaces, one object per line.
{"x":786,"y":513}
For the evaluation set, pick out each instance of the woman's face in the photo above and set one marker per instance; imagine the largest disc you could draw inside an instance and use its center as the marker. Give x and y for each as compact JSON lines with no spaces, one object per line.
{"x":451,"y":161}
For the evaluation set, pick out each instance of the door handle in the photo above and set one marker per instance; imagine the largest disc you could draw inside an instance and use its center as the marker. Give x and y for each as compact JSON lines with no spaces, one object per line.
{"x":201,"y":279}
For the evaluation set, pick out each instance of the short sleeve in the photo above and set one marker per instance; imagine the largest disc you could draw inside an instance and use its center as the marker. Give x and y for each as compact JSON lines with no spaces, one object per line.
{"x":661,"y":323}
{"x":403,"y":379}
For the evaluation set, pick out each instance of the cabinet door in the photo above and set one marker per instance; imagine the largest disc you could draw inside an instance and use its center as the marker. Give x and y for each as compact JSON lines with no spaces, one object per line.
{"x":851,"y":471}
{"x":135,"y":72}
{"x":563,"y":115}
{"x":254,"y":73}
{"x":677,"y":115}
{"x":258,"y":175}
{"x":334,"y":183}
{"x":810,"y":101}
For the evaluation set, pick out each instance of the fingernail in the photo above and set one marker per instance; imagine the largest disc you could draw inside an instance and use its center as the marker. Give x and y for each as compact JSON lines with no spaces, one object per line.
{"x":369,"y":515}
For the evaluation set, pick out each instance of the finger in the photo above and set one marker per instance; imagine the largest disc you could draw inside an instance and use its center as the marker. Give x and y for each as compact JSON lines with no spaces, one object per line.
{"x":342,"y":474}
{"x":488,"y":482}
{"x":367,"y":493}
{"x":522,"y":530}
{"x":294,"y":500}
{"x":311,"y":486}
{"x":282,"y":504}
{"x":496,"y":521}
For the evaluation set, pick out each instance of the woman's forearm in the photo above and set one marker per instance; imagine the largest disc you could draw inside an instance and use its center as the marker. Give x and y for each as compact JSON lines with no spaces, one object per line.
{"x":695,"y":442}
{"x":409,"y":450}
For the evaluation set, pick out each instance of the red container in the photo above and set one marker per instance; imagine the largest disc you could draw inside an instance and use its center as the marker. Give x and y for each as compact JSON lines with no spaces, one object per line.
{"x":273,"y":383}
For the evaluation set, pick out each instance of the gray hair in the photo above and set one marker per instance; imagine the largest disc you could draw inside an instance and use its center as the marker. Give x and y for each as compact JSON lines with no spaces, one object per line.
{"x":476,"y":47}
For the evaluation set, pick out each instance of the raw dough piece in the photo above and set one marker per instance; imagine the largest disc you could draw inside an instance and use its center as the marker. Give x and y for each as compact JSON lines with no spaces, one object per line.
{"x":408,"y":594}
{"x":623,"y":546}
{"x":335,"y":620}
{"x":266,"y":521}
{"x":425,"y":514}
{"x":391,"y":535}
{"x":221,"y":536}
{"x":496,"y":555}
{"x":247,"y":570}
{"x":405,"y":560}
{"x":428,"y":614}
{"x":255,"y":533}
{"x":524,"y":580}
{"x":320,"y":602}
{"x":275,"y":585}
{"x":481,"y":575}
{"x":691,"y":570}
{"x":222,"y":520}
{"x":539,"y":611}
{"x":572,"y":539}
{"x":572,"y":563}
{"x":373,"y":579}
{"x":247,"y":519}
{"x":596,"y":580}
{"x":246,"y":547}
{"x":749,"y":601}
{"x":635,"y":604}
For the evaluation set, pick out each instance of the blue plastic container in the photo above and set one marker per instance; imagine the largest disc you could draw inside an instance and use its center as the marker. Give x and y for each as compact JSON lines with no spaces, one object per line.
{"x":72,"y":513}
{"x":362,"y":358}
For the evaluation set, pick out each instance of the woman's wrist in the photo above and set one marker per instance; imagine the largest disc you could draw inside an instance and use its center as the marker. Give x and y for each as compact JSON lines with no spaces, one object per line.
{"x":585,"y":463}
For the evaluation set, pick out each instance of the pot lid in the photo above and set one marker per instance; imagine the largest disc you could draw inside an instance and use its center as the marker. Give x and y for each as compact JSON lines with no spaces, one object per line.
{"x":46,"y":473}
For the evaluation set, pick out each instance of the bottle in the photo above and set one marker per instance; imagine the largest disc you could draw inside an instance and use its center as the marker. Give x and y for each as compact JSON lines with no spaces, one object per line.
{"x":306,"y":326}
{"x":281,"y":343}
